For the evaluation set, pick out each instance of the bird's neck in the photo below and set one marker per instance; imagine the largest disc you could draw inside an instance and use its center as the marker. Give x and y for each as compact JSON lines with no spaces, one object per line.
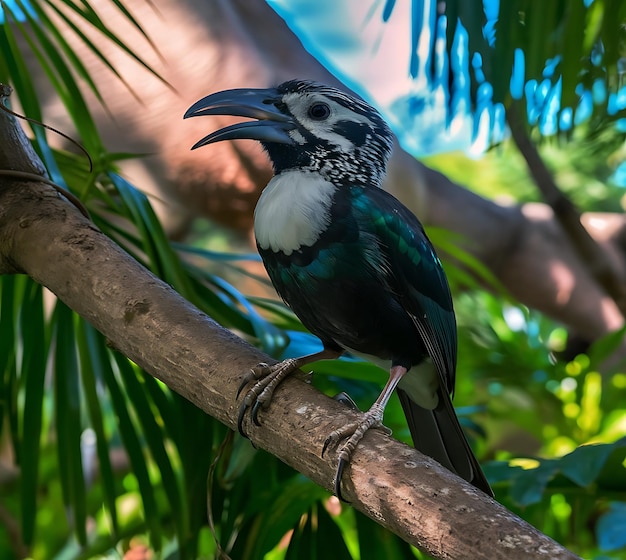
{"x":293,"y":211}
{"x":364,"y":166}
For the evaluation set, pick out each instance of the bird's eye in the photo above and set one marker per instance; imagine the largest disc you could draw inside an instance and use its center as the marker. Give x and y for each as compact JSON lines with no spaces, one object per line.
{"x":319,"y":111}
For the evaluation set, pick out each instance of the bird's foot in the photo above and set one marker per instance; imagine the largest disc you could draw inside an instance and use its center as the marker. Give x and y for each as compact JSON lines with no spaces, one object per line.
{"x":260,"y":394}
{"x":373,"y":418}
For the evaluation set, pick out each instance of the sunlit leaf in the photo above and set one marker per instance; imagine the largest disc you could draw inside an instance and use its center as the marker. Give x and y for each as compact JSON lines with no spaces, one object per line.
{"x":134,"y":447}
{"x":529,"y":485}
{"x":93,"y":359}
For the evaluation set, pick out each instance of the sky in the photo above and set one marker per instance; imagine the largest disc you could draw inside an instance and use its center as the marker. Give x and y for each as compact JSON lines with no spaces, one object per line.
{"x":374,"y":59}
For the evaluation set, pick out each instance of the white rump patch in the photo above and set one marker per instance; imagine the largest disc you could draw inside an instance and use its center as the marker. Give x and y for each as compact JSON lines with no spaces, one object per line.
{"x":294,"y":209}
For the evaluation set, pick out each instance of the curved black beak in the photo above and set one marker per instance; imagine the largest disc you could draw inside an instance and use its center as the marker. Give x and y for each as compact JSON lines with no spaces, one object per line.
{"x":271,"y":125}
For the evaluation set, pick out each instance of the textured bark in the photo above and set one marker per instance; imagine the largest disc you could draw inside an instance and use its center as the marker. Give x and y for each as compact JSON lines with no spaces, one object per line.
{"x":47,"y":238}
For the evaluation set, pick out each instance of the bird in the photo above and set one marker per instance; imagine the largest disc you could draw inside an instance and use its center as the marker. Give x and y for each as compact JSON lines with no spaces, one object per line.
{"x":350,"y":260}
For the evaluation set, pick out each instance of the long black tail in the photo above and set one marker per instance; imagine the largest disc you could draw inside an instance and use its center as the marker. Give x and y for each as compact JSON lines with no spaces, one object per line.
{"x":438,"y":434}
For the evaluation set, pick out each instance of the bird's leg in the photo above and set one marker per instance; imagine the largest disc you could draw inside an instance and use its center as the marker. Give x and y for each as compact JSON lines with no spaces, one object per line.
{"x":373,"y":418}
{"x":268,"y":378}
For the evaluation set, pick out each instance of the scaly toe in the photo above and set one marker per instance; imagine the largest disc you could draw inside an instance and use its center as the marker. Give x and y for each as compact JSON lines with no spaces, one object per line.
{"x":332,"y":439}
{"x":257,"y":372}
{"x":337,"y":435}
{"x":266,"y":378}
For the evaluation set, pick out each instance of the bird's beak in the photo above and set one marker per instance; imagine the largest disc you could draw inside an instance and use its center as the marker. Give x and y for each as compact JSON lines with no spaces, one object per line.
{"x":271,"y":125}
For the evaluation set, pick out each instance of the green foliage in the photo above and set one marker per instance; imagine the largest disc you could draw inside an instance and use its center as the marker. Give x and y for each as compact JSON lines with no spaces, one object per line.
{"x":562,"y":424}
{"x":586,"y":39}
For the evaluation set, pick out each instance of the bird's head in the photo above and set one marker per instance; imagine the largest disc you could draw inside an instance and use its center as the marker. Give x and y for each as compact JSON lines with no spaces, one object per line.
{"x":308,"y":126}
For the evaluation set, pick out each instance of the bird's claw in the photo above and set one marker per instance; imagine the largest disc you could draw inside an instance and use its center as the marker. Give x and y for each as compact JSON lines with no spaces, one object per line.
{"x":260,"y":394}
{"x":257,"y":372}
{"x":337,"y":482}
{"x":355,"y":430}
{"x":344,"y":398}
{"x":242,"y":412}
{"x":254,"y":414}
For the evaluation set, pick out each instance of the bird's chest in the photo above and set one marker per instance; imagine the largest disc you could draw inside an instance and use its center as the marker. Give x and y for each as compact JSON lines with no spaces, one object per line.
{"x":293,"y":211}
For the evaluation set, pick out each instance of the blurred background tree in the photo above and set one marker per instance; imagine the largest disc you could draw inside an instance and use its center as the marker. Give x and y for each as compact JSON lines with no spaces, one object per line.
{"x":97,"y":458}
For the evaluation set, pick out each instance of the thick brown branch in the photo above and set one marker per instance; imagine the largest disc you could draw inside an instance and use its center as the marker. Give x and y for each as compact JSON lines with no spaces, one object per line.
{"x":44,"y":236}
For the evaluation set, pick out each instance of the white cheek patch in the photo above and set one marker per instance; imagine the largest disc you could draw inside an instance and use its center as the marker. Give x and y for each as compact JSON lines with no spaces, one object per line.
{"x":334,"y":138}
{"x":299,"y":104}
{"x":297,"y":137}
{"x":293,"y":211}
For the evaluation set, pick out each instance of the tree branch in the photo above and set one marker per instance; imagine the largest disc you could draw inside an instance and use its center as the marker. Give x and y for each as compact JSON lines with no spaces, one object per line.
{"x":592,"y":253}
{"x":47,"y":238}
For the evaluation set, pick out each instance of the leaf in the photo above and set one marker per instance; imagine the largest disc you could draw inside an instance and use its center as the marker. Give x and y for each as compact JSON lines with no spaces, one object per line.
{"x":93,"y":360}
{"x":529,"y":485}
{"x":329,"y":540}
{"x":62,"y":79}
{"x":134,"y":449}
{"x":571,"y":51}
{"x":288,"y":502}
{"x":8,"y":372}
{"x":44,"y":25}
{"x":68,"y":420}
{"x":31,"y":373}
{"x":19,"y":73}
{"x":610,"y":528}
{"x":451,"y":243}
{"x":86,"y":12}
{"x":162,"y":259}
{"x":154,"y":438}
{"x":584,"y":464}
{"x":317,"y":536}
{"x":376,"y":542}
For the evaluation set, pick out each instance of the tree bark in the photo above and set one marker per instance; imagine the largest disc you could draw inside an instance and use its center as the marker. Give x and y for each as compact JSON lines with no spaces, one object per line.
{"x":599,"y":265}
{"x":47,"y":238}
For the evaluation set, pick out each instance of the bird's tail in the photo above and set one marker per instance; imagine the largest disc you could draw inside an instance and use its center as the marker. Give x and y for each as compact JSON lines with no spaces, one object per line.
{"x":438,"y":434}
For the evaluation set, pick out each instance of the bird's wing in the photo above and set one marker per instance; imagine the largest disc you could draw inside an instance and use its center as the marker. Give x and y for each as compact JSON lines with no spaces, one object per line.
{"x":417,"y":277}
{"x":415,"y":273}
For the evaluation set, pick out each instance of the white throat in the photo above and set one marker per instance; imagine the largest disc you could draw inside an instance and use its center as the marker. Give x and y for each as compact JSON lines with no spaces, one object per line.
{"x":294,"y":209}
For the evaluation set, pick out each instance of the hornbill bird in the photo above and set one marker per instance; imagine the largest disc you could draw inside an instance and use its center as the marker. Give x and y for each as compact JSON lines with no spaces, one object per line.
{"x":350,"y":260}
